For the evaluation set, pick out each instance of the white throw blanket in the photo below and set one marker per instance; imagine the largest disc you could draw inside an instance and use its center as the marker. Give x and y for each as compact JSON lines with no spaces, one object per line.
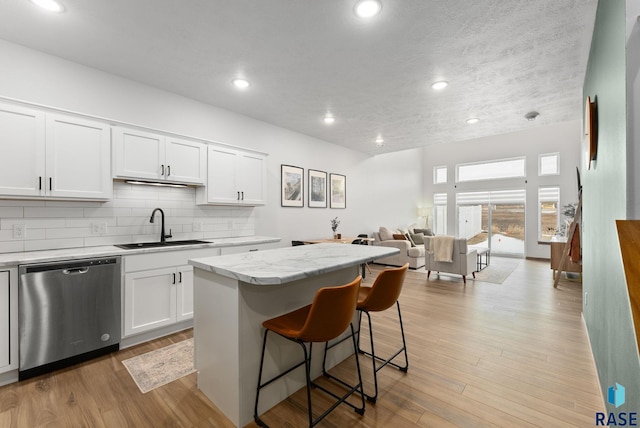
{"x":442,"y":248}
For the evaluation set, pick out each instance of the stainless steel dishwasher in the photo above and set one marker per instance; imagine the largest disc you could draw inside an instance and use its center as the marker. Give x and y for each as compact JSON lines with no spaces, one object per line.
{"x":69,"y":311}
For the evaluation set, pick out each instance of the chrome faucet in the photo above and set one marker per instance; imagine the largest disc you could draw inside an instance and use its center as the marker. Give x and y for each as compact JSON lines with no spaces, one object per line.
{"x":162,"y":235}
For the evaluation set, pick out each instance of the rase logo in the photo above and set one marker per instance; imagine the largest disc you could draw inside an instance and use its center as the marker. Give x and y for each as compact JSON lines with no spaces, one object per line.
{"x":615,"y":397}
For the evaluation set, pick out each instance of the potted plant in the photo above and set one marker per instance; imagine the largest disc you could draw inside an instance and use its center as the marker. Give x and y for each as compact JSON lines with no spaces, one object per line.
{"x":334,"y":226}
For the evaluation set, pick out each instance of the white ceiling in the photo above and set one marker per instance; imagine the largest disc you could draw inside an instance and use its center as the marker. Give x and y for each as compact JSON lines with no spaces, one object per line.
{"x":503,"y":58}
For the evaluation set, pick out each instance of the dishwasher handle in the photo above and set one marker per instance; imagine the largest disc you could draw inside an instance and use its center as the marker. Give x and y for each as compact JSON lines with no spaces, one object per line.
{"x":75,"y":271}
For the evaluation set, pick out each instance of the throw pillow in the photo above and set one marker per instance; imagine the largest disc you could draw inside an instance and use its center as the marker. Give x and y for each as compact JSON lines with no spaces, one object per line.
{"x":417,"y":238}
{"x":408,"y":236}
{"x":385,"y":234}
{"x":426,"y":232}
{"x":399,"y":237}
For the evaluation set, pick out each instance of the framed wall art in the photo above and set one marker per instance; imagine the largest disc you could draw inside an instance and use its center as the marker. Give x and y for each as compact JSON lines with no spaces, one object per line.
{"x":317,"y":189}
{"x":292,"y":183}
{"x":338,"y":190}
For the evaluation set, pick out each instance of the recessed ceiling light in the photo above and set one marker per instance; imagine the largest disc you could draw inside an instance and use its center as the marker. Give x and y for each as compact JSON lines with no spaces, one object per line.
{"x":473,"y":120}
{"x":329,"y":119}
{"x":368,"y":8}
{"x":241,"y":83}
{"x":379,"y":141}
{"x":440,"y":85}
{"x":50,"y":5}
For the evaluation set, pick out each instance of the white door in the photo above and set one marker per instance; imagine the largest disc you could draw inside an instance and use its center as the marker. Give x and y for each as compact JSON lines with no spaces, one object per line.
{"x":221,"y":178}
{"x":150,"y":300}
{"x":185,"y":293}
{"x":251,"y":175}
{"x":22,"y":144}
{"x":186,"y":161}
{"x":78,"y":159}
{"x":5,"y":323}
{"x":138,"y":154}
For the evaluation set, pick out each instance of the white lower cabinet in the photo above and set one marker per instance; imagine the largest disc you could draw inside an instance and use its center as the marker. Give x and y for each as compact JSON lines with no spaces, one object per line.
{"x":8,"y":320}
{"x":157,"y":294}
{"x":247,"y":248}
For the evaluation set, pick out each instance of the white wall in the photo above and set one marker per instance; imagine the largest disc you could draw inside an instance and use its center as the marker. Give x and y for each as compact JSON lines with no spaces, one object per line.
{"x":564,"y":138}
{"x":380,"y":190}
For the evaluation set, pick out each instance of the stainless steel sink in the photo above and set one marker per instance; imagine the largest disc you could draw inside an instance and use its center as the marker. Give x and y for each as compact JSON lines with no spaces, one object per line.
{"x":139,"y":245}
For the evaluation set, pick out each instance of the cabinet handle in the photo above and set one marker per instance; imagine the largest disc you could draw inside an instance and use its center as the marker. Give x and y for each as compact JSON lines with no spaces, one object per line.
{"x":253,"y":249}
{"x":40,"y":183}
{"x":168,"y":170}
{"x":161,"y":169}
{"x":242,"y":195}
{"x":174,"y":278}
{"x":50,"y":183}
{"x":238,"y":196}
{"x":180,"y":277}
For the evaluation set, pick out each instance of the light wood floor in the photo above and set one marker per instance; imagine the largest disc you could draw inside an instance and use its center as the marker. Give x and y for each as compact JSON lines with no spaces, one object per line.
{"x":486,"y":355}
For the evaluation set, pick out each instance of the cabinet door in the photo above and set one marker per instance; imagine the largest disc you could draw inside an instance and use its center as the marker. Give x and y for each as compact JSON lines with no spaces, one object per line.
{"x":138,"y":154}
{"x":221,"y":176}
{"x":5,"y":322}
{"x":186,"y":161}
{"x":185,"y":293}
{"x":22,"y":141}
{"x":251,"y":175}
{"x":78,"y":158}
{"x":150,"y":300}
{"x":8,"y":320}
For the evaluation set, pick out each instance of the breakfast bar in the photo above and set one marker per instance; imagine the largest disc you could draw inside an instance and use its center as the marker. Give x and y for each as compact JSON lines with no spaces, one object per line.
{"x":234,"y":294}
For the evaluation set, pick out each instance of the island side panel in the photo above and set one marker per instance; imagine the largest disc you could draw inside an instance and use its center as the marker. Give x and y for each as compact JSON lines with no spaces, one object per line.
{"x":261,"y":302}
{"x":216,"y":333}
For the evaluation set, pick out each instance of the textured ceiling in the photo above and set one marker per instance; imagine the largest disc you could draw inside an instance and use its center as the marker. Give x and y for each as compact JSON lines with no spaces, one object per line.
{"x":503,"y":58}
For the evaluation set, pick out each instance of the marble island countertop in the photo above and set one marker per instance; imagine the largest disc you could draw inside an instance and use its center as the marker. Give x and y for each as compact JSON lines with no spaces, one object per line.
{"x":283,"y":265}
{"x":18,"y":258}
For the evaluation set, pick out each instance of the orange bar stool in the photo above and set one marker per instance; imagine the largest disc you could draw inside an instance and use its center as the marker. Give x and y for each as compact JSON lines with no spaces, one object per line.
{"x":379,"y":297}
{"x":325,"y":319}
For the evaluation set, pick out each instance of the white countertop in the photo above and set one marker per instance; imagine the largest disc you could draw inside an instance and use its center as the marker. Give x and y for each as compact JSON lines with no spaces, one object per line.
{"x":283,"y":265}
{"x":13,"y":259}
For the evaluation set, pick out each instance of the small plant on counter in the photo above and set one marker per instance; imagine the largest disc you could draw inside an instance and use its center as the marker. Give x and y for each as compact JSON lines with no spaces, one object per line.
{"x":334,"y":225}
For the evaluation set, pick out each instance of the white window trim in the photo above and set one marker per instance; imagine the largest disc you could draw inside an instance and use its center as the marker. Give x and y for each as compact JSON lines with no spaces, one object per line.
{"x":523,"y":158}
{"x":540,"y":156}
{"x":435,"y":174}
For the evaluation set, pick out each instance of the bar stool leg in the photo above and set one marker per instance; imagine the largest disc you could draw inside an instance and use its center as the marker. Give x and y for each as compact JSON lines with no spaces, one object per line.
{"x":374,"y":357}
{"x":256,"y":418}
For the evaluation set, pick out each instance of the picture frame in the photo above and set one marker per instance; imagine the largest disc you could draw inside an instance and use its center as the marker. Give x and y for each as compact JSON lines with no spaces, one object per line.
{"x":292,"y":186}
{"x":338,"y":192}
{"x":317,"y":192}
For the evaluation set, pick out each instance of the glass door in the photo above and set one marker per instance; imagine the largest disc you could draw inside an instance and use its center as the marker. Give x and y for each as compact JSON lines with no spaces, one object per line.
{"x":493,"y":219}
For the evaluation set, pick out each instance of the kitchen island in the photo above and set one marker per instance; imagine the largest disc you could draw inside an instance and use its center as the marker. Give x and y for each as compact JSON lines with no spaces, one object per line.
{"x":234,"y":294}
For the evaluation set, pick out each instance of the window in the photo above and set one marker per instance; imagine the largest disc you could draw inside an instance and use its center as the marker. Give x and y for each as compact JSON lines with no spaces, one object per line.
{"x":504,"y":168}
{"x":549,"y":164}
{"x":494,"y":219}
{"x":439,"y":174}
{"x":548,"y":213}
{"x":440,"y":213}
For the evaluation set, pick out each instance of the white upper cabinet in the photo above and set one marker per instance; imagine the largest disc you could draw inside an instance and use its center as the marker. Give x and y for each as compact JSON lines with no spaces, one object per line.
{"x":22,"y":145}
{"x":149,"y":156}
{"x":53,"y":155}
{"x":234,"y":177}
{"x":78,"y":158}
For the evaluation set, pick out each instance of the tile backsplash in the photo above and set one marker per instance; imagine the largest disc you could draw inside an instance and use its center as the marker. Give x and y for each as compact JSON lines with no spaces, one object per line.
{"x":65,"y":224}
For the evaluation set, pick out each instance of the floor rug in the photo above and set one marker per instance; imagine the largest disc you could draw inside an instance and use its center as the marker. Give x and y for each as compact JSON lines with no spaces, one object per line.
{"x":159,"y":367}
{"x":497,"y":271}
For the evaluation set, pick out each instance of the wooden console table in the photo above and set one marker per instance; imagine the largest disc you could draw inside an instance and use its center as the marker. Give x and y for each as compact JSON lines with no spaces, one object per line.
{"x":557,"y":247}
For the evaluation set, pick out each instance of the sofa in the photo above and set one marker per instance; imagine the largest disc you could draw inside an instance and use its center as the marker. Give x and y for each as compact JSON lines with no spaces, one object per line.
{"x":410,"y":252}
{"x":463,"y":259}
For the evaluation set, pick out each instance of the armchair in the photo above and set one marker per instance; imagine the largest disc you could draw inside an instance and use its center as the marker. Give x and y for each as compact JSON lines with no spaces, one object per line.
{"x":464,"y":261}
